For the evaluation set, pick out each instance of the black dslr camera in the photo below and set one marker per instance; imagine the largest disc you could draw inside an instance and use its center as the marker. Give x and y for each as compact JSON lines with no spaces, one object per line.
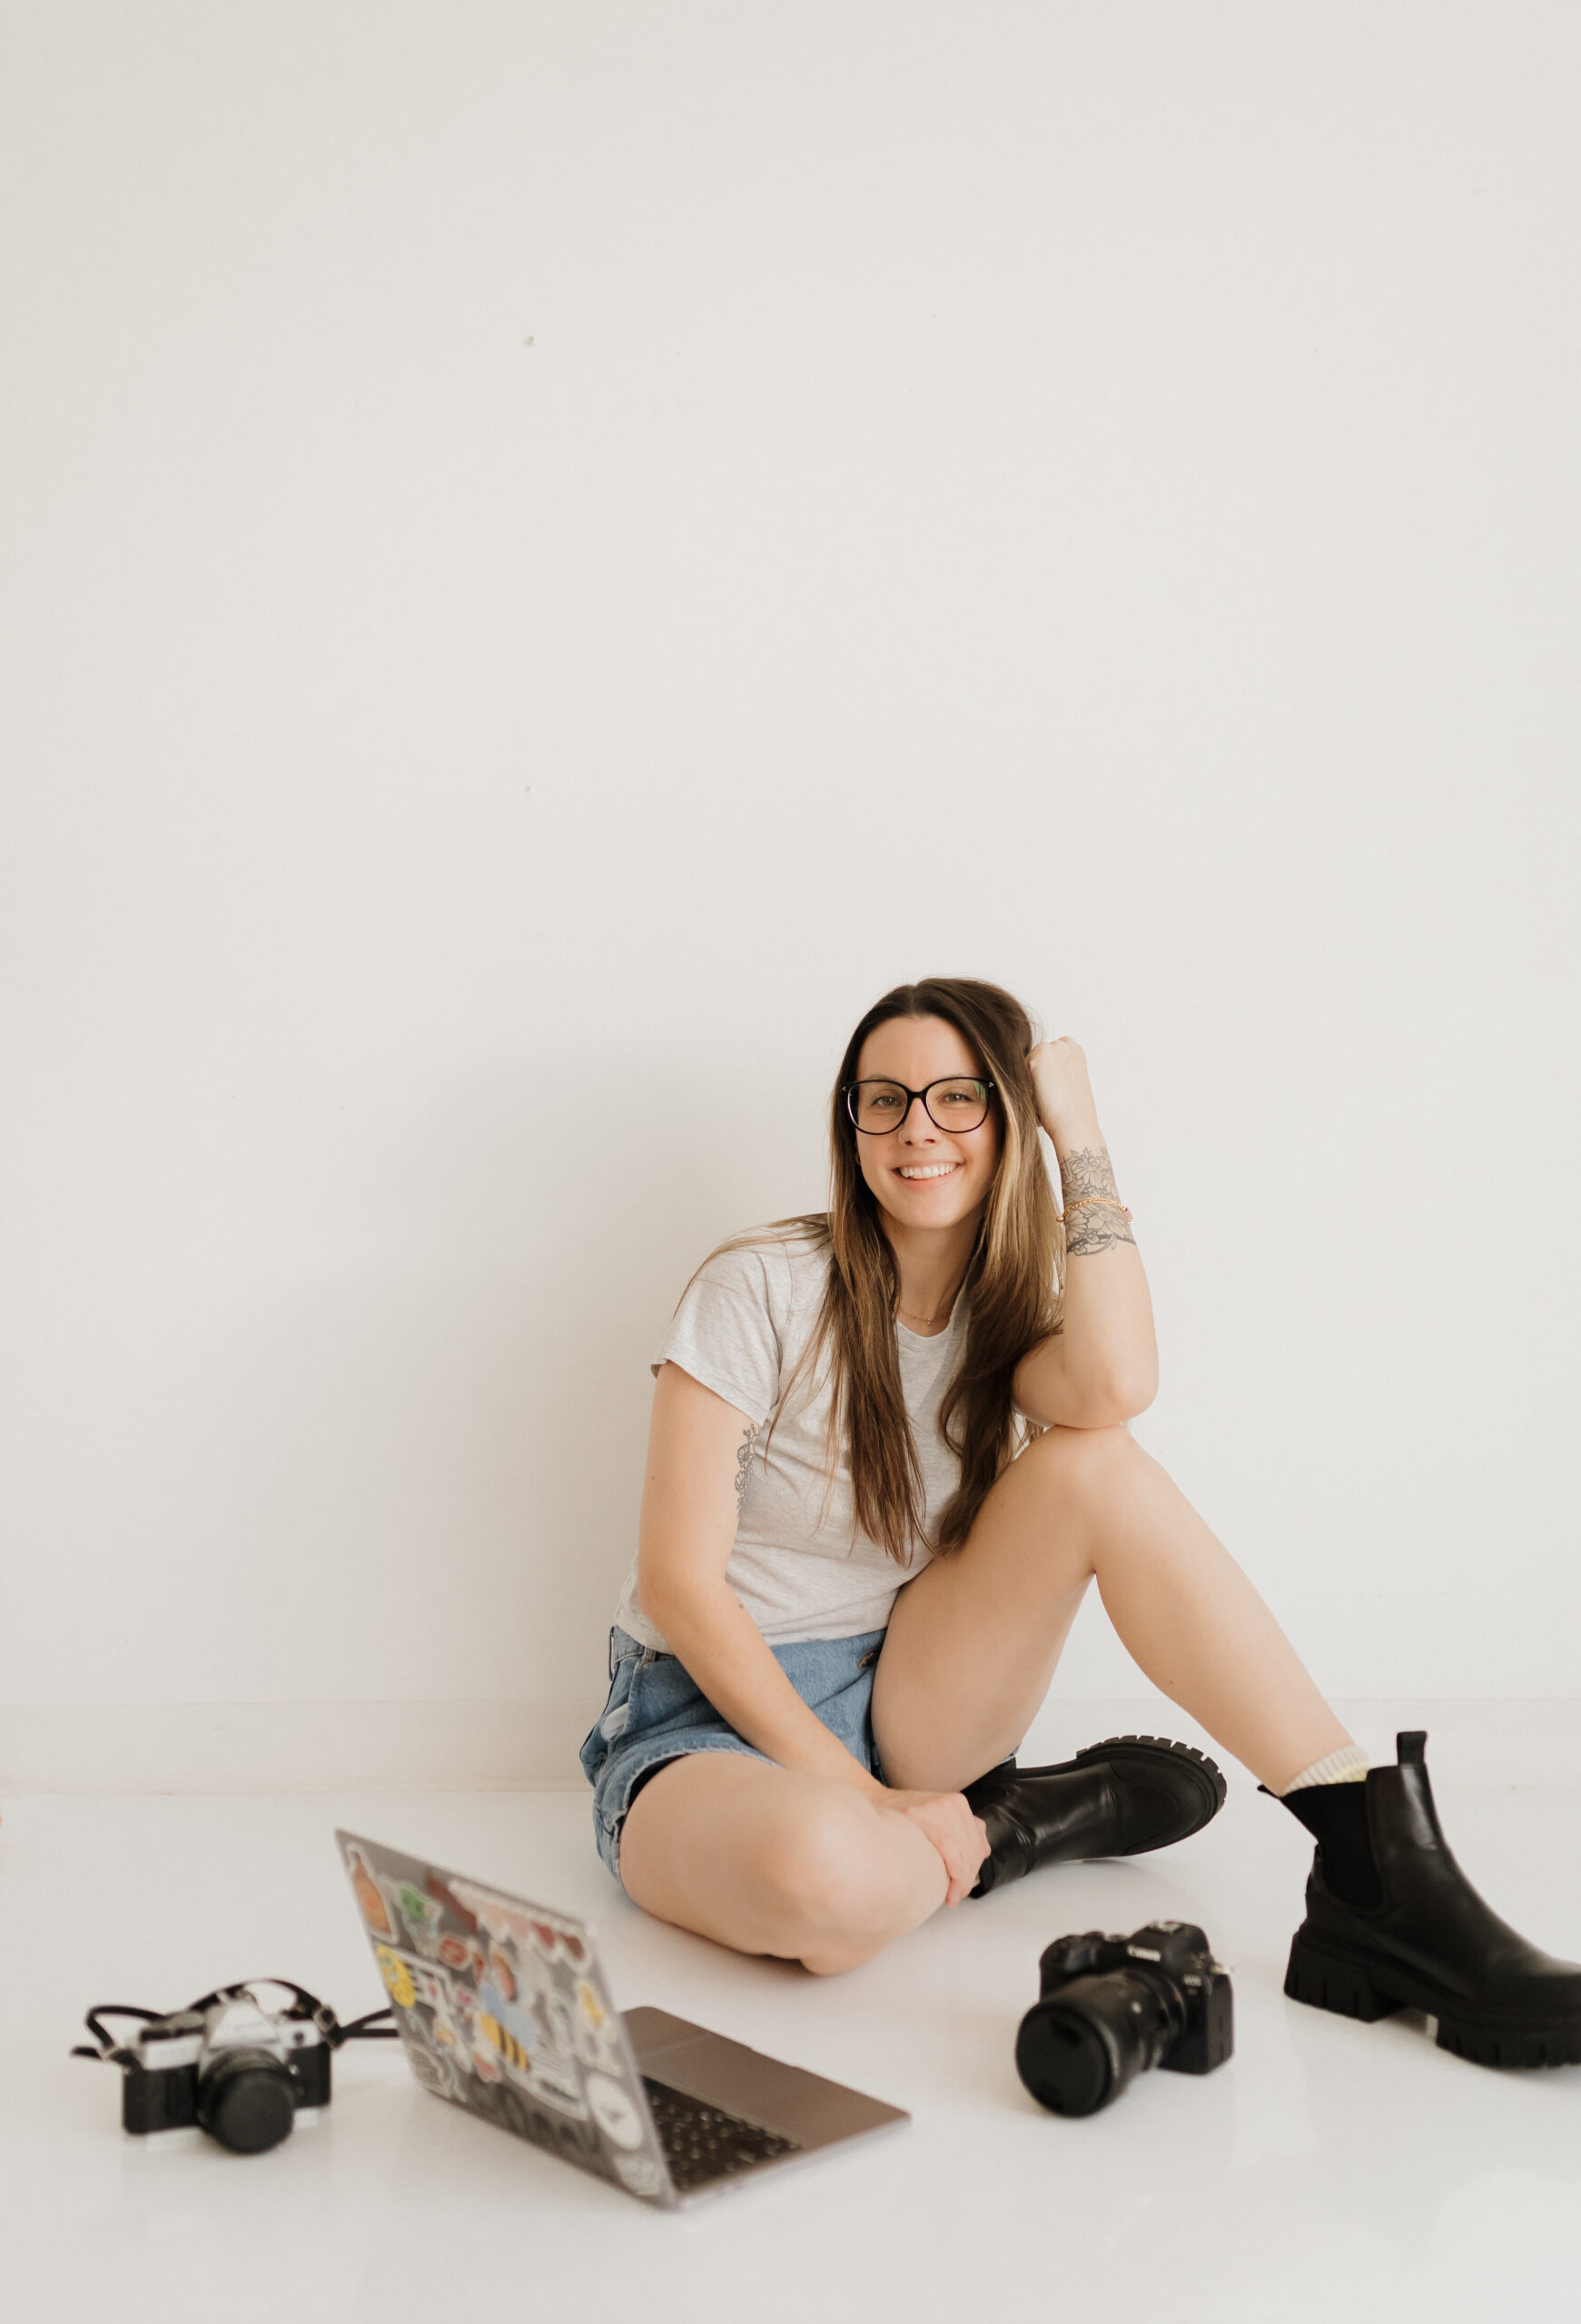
{"x":1111,"y":2006}
{"x":231,"y":2065}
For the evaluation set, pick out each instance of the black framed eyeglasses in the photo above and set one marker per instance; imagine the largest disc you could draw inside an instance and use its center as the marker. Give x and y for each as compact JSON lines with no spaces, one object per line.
{"x":957,"y":1104}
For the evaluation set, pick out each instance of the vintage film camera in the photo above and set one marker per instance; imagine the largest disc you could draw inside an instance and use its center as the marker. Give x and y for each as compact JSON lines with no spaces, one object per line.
{"x":1111,"y":2006}
{"x":229,"y":2065}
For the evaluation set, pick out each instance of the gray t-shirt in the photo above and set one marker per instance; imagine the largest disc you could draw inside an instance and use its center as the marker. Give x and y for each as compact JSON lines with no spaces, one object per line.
{"x":799,"y":1565}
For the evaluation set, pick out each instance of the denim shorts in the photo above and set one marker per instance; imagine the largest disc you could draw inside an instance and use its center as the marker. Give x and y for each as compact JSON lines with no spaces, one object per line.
{"x":654,"y":1713}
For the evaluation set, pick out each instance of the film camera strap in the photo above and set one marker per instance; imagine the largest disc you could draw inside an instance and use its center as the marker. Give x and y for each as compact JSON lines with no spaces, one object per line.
{"x":304,"y":2005}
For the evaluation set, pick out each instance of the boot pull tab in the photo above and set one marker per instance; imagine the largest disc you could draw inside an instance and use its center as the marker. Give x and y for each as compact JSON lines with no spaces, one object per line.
{"x":1412,"y":1747}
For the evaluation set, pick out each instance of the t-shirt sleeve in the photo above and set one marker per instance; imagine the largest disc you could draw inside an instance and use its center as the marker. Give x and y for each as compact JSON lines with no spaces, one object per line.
{"x":725,"y":1333}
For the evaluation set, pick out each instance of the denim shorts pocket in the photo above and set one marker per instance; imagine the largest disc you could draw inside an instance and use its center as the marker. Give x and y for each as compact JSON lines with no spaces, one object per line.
{"x":613,"y":1720}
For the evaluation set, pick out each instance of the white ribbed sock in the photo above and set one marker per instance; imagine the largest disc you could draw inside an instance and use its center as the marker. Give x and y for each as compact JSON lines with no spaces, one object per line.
{"x":1348,"y":1765}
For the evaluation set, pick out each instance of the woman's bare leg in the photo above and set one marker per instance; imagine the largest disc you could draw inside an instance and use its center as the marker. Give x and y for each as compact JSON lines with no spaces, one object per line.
{"x":766,"y":1859}
{"x":973,"y":1640}
{"x":769,"y":1860}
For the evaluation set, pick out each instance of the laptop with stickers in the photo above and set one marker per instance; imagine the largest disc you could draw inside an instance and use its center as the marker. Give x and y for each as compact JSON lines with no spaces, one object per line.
{"x":504,"y":2009}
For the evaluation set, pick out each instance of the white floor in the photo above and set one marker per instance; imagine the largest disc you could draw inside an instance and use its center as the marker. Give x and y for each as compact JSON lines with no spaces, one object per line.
{"x":1330,"y":2170}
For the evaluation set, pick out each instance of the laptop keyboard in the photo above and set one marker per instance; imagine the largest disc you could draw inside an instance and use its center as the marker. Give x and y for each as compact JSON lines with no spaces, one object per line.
{"x":702,"y":2143}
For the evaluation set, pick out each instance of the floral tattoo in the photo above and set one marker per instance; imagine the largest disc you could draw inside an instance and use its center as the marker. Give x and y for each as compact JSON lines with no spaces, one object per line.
{"x":743,"y":1460}
{"x":1094,"y":1227}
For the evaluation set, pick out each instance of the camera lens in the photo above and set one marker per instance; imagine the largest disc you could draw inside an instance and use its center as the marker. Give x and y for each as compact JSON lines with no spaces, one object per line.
{"x":245,"y":2100}
{"x":1077,"y":2052}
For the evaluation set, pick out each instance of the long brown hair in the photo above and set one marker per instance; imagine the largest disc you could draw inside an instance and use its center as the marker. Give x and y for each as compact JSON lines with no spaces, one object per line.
{"x":1013,"y":1285}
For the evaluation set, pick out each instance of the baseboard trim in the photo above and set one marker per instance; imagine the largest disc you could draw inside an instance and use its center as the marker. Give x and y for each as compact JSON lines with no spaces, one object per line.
{"x":502,"y":1745}
{"x":531,"y":1745}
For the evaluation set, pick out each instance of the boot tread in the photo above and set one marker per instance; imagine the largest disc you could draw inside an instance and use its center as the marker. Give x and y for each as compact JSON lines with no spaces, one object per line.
{"x":1352,"y":1988}
{"x":1187,"y":1751}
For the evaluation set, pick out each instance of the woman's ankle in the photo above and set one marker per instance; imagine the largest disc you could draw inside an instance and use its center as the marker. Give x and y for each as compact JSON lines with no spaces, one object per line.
{"x":1348,"y":1764}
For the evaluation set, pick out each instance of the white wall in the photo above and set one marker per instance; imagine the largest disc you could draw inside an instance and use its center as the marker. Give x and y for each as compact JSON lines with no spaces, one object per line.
{"x":555,"y":551}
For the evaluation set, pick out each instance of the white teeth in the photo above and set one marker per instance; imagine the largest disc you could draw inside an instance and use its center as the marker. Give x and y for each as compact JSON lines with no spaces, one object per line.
{"x":929,"y":1170}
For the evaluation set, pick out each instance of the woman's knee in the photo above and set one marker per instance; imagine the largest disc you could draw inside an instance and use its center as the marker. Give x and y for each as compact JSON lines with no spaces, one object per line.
{"x":1077,"y":1460}
{"x":767,"y":1861}
{"x":824,"y":1877}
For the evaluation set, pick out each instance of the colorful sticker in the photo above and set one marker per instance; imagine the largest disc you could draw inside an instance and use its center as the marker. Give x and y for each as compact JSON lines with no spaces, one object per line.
{"x":422,"y":1916}
{"x":371,"y":1896}
{"x":436,"y":1888}
{"x":464,"y":1954}
{"x":397,"y":1977}
{"x":432,"y":1986}
{"x":497,"y":1998}
{"x":485,"y":1909}
{"x":555,"y":2084}
{"x":593,"y":2031}
{"x":504,"y":1920}
{"x":501,"y":1971}
{"x":486,"y":2061}
{"x":559,"y":2085}
{"x":504,"y":2011}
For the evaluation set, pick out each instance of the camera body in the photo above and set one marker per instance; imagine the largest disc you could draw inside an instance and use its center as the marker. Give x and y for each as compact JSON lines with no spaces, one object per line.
{"x":234,"y":2069}
{"x":1110,"y":2007}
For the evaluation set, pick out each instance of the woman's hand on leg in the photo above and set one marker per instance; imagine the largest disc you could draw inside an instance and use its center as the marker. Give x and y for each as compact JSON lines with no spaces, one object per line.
{"x":772,"y":1860}
{"x":947,"y":1820}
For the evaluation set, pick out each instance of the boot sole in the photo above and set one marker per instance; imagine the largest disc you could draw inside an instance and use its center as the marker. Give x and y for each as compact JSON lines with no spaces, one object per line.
{"x":1352,"y":1986}
{"x":1207,"y":1776}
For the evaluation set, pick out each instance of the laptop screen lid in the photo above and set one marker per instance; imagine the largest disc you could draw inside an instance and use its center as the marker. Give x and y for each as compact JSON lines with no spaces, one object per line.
{"x":503,"y":2009}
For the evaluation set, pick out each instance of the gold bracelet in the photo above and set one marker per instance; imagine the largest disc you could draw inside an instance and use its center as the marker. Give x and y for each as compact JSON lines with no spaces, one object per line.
{"x":1108,"y":1201}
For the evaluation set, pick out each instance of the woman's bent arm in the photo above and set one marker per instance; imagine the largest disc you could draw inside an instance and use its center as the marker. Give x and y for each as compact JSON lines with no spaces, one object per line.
{"x":1102,"y":1366}
{"x":687,"y":1530}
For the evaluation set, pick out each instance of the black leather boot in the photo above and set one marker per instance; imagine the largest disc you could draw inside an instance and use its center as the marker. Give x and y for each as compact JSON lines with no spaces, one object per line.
{"x":1392,"y":1922}
{"x":1121,"y":1797}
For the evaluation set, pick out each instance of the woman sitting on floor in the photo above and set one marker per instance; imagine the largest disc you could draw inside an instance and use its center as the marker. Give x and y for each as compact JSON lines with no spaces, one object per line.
{"x":889,"y":1451}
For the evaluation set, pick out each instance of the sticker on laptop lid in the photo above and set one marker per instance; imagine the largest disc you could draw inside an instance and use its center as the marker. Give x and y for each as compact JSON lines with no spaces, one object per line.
{"x":523,"y":1926}
{"x":464,"y":1954}
{"x":371,"y":1901}
{"x":397,"y":1975}
{"x":502,"y":2009}
{"x":423,"y":1915}
{"x":615,"y":2112}
{"x":452,"y":1904}
{"x":640,"y":2172}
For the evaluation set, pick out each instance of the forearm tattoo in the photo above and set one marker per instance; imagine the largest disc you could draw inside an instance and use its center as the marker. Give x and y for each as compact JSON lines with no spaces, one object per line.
{"x":743,"y":1460}
{"x":1095,"y":1226}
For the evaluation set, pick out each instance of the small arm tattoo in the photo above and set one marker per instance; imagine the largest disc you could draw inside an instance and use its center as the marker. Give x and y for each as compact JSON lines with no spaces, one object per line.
{"x":743,"y":1460}
{"x":1087,"y":1170}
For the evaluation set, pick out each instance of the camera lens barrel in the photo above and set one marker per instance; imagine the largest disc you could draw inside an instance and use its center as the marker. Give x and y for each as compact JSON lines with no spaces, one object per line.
{"x":1078,"y":2050}
{"x":246,"y":2101}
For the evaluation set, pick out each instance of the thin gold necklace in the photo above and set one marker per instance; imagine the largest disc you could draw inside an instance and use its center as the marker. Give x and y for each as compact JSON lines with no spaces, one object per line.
{"x":942,"y":1317}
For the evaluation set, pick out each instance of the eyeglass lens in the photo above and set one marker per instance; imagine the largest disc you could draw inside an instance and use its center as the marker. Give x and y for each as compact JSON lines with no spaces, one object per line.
{"x":877,"y":1106}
